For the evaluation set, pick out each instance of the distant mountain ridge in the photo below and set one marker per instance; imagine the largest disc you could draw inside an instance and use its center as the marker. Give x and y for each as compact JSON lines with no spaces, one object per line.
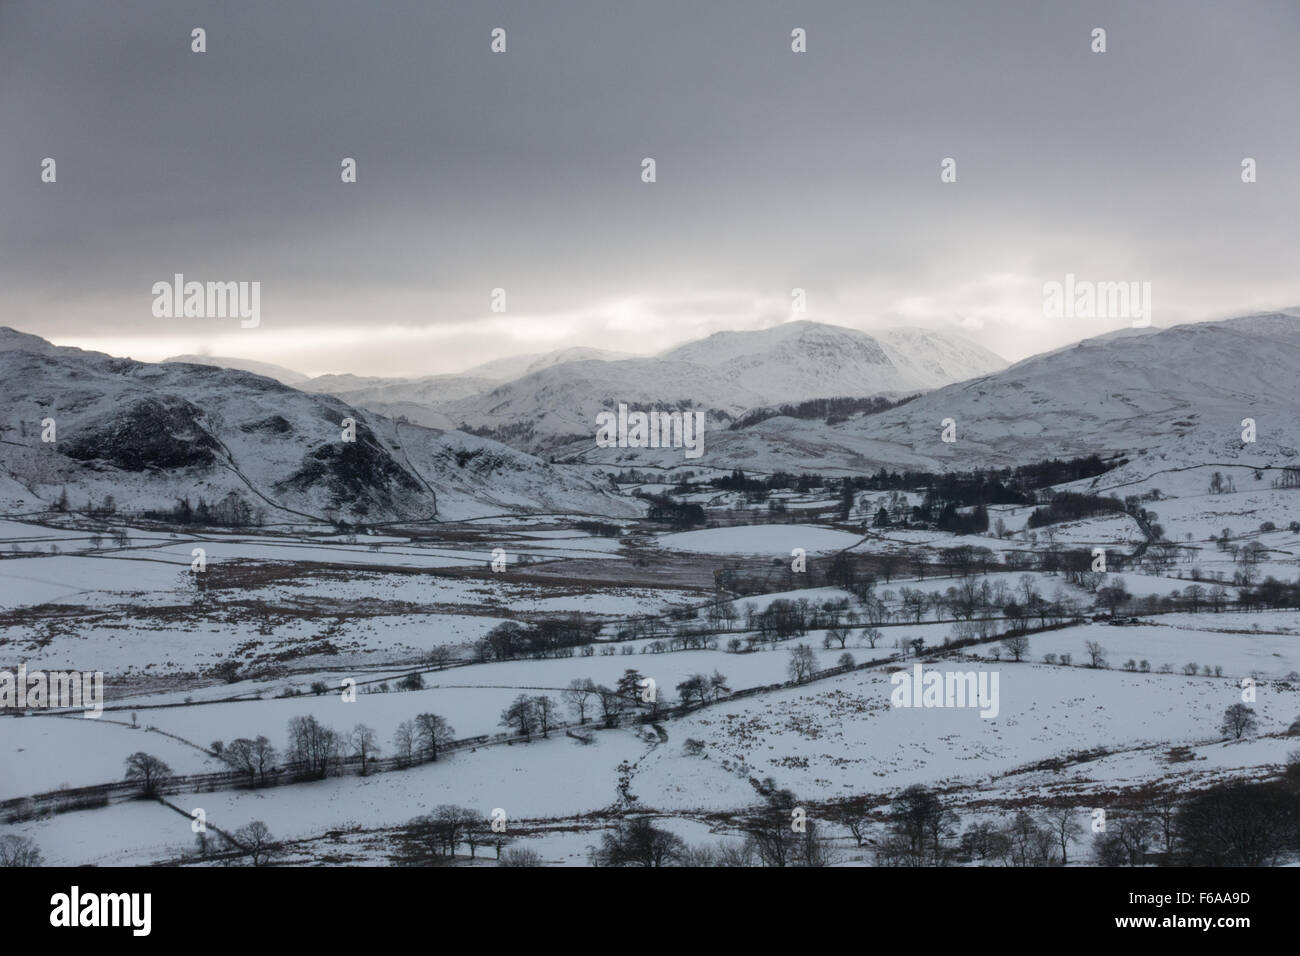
{"x":278,"y":372}
{"x":539,"y":402}
{"x":1164,"y":398}
{"x":724,"y":374}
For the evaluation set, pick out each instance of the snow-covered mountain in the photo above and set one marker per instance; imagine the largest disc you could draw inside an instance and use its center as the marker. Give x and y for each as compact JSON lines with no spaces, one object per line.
{"x":514,"y":366}
{"x":416,"y":400}
{"x":286,"y":376}
{"x":802,"y":360}
{"x":1164,"y":398}
{"x":724,"y":375}
{"x":420,"y":400}
{"x":152,"y":434}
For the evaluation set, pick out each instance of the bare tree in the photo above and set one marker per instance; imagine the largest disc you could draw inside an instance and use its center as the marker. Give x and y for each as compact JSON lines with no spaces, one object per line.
{"x":920,"y":830}
{"x":639,"y":842}
{"x":838,"y":632}
{"x":579,"y":695}
{"x":365,"y":744}
{"x":852,"y":817}
{"x":423,"y":841}
{"x":915,"y":603}
{"x":1028,"y":844}
{"x":1017,"y":647}
{"x":1238,"y":720}
{"x":696,"y":686}
{"x":718,"y":685}
{"x":769,"y":832}
{"x":1238,"y":823}
{"x":1113,"y":595}
{"x":612,"y":704}
{"x":1125,"y":842}
{"x":404,"y":742}
{"x":257,"y":843}
{"x":313,"y":748}
{"x":433,"y":733}
{"x":544,"y":709}
{"x":1064,"y":825}
{"x":802,"y":663}
{"x":1096,"y":654}
{"x":18,"y":851}
{"x":148,"y":771}
{"x":520,"y":714}
{"x":254,"y":757}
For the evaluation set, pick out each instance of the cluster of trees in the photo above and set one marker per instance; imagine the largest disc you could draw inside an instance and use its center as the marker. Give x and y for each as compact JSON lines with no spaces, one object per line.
{"x":1238,"y":823}
{"x":832,"y":410}
{"x":531,"y":715}
{"x":679,"y":515}
{"x":632,"y":692}
{"x":934,"y":511}
{"x":252,"y":756}
{"x":1289,"y":478}
{"x":549,"y":638}
{"x":689,"y":638}
{"x":1024,"y":840}
{"x":784,"y":618}
{"x":19,"y":851}
{"x":1071,"y":506}
{"x":676,"y":629}
{"x":433,"y":838}
{"x":781,"y":834}
{"x":600,"y":529}
{"x":776,"y":834}
{"x":945,"y":494}
{"x":703,"y":688}
{"x":992,"y":485}
{"x":638,"y":842}
{"x":922,"y":830}
{"x":421,"y":739}
{"x":1269,"y":593}
{"x":1241,"y":823}
{"x":232,"y":511}
{"x":105,"y":508}
{"x":958,"y":522}
{"x":1221,"y":484}
{"x":972,"y":599}
{"x":315,"y":751}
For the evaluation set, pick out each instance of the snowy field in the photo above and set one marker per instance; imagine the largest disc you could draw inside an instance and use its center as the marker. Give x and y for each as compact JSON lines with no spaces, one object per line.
{"x":775,"y":539}
{"x":314,"y":608}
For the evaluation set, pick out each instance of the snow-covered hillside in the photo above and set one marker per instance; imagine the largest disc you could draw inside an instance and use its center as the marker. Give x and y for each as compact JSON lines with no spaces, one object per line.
{"x":724,"y":375}
{"x":420,"y":400}
{"x":415,"y":399}
{"x":149,"y":435}
{"x":1164,"y":398}
{"x":286,"y":376}
{"x":801,"y":360}
{"x":514,"y":366}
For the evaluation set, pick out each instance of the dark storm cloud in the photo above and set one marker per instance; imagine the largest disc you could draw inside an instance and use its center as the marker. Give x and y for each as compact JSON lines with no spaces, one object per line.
{"x":521,"y":170}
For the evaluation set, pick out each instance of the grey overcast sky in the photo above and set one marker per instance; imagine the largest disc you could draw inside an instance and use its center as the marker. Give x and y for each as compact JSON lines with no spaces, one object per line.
{"x":522,"y":170}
